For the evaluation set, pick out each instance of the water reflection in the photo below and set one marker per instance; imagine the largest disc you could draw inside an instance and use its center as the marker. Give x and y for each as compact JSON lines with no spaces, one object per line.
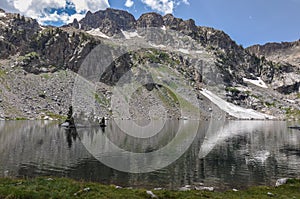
{"x":223,"y":154}
{"x":71,"y":136}
{"x":124,"y":152}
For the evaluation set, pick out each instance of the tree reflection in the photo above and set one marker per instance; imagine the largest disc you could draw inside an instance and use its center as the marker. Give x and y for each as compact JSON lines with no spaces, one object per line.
{"x":71,"y":136}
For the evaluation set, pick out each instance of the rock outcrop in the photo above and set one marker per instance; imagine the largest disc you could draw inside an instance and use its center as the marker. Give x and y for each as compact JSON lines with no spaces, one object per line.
{"x":286,"y":52}
{"x":110,"y":21}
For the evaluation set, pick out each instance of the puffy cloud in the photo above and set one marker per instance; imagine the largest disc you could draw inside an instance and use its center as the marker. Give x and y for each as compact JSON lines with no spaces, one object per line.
{"x":129,"y":3}
{"x":53,"y":10}
{"x":91,"y":5}
{"x":64,"y":11}
{"x":163,"y":6}
{"x":186,"y":2}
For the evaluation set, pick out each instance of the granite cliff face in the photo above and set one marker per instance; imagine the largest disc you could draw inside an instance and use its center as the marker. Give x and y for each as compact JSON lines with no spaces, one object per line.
{"x":286,"y":59}
{"x":33,"y":58}
{"x":286,"y":52}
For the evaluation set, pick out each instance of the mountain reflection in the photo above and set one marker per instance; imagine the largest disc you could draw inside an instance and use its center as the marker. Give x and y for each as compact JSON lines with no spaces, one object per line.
{"x":223,"y":153}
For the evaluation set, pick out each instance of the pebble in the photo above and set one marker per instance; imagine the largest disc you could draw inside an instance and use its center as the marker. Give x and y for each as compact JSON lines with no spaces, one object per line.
{"x":184,"y":189}
{"x":281,"y":181}
{"x":87,"y":189}
{"x":270,"y":194}
{"x":151,"y":194}
{"x":6,"y":173}
{"x":204,"y":188}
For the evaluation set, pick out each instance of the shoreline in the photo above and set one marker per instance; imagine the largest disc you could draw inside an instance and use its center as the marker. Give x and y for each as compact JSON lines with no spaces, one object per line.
{"x":47,"y":187}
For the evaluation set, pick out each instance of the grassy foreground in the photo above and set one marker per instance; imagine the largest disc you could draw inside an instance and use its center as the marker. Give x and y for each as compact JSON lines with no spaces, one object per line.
{"x":67,"y":188}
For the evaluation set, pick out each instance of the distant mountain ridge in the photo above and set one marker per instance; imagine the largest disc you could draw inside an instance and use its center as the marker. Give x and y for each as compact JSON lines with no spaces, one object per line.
{"x":33,"y":58}
{"x":288,"y":52}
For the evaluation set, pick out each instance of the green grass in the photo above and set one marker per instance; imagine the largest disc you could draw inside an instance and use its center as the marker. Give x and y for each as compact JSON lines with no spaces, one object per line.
{"x":101,"y":99}
{"x":292,"y":113}
{"x":46,"y":76}
{"x":270,"y":104}
{"x":2,"y":73}
{"x":66,"y":188}
{"x":232,"y":90}
{"x":55,"y":116}
{"x":21,"y":118}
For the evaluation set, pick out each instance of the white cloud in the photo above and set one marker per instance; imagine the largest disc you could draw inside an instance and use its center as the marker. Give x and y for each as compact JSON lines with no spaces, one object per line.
{"x":186,"y":2}
{"x":163,"y":6}
{"x":129,"y":3}
{"x":38,"y":8}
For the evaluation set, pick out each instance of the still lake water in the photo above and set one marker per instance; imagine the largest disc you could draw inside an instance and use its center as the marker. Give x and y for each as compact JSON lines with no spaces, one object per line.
{"x":224,"y":154}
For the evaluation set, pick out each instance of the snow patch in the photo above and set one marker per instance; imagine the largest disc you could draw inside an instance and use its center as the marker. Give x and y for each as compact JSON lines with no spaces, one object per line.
{"x":97,"y":32}
{"x":157,"y":46}
{"x":2,"y":15}
{"x":258,"y":82}
{"x":233,"y":110}
{"x":199,"y":51}
{"x":129,"y":35}
{"x":1,"y":37}
{"x":164,"y":28}
{"x":185,"y":51}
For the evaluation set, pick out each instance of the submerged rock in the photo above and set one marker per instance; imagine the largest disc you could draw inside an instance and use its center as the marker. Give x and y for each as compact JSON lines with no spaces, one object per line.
{"x":65,"y":124}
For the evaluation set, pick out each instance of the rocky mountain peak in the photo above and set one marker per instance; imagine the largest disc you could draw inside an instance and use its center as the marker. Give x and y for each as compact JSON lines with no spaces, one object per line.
{"x":76,"y":24}
{"x":2,"y":11}
{"x":174,"y":23}
{"x":109,"y":21}
{"x":150,"y":20}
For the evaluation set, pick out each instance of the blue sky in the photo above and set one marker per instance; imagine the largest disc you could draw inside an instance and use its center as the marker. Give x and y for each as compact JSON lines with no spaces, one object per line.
{"x":248,"y":22}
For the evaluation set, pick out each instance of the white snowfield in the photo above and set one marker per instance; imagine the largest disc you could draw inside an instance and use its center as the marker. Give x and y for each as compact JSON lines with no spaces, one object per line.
{"x":97,"y":32}
{"x":2,"y":15}
{"x":234,"y":110}
{"x":157,"y":46}
{"x":258,"y":82}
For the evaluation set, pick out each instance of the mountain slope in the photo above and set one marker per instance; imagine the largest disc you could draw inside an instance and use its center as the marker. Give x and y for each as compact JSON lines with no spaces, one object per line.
{"x":163,"y":54}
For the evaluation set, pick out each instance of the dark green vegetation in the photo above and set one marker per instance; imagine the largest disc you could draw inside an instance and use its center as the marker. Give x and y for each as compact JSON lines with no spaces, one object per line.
{"x":66,"y":188}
